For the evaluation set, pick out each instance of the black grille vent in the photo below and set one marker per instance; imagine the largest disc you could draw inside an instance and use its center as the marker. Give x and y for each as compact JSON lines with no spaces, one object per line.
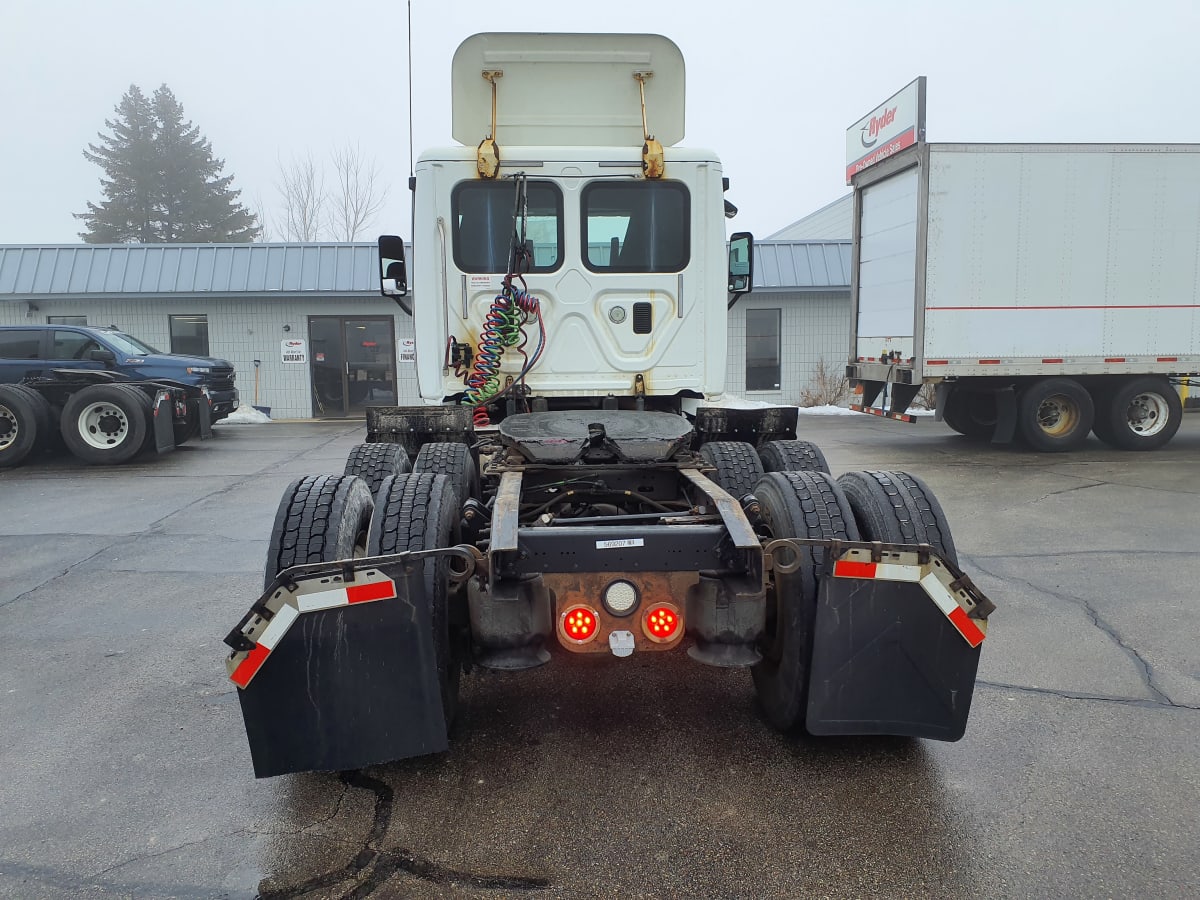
{"x":643,"y":319}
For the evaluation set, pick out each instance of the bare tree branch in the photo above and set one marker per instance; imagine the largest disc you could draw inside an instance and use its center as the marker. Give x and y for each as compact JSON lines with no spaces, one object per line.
{"x":359,"y":194}
{"x":302,"y":195}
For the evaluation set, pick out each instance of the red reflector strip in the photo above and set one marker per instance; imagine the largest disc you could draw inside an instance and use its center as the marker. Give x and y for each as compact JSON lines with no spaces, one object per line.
{"x":989,"y":362}
{"x":966,"y":627}
{"x":247,"y":667}
{"x":870,"y":410}
{"x":1052,"y":361}
{"x":1114,"y":359}
{"x":937,"y":362}
{"x":849,"y":568}
{"x":1168,"y":359}
{"x":365,"y":593}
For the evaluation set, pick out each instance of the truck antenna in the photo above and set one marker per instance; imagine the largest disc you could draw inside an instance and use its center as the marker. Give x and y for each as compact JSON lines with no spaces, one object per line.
{"x":410,"y":94}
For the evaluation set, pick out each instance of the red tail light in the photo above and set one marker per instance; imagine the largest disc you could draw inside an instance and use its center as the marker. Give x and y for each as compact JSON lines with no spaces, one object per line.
{"x":662,"y":623}
{"x":579,"y":624}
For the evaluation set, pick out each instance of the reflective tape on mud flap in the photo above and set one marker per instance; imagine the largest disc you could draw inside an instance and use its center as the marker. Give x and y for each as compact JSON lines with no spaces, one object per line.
{"x":933,"y":578}
{"x":310,"y":596}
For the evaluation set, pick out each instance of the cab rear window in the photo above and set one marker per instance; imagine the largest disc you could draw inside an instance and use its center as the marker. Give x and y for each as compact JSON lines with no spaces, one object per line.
{"x":636,"y":226}
{"x":483,"y":225}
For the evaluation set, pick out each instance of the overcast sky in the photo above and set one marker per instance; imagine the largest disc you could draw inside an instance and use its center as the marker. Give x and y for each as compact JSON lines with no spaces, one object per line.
{"x":771,"y":86}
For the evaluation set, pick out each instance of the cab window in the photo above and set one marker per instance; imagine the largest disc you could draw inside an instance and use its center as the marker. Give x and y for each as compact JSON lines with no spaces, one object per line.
{"x":641,"y":226}
{"x":71,"y":345}
{"x":483,"y":225}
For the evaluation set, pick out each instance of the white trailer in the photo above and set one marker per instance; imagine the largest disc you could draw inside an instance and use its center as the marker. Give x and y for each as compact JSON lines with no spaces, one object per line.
{"x":1047,"y":290}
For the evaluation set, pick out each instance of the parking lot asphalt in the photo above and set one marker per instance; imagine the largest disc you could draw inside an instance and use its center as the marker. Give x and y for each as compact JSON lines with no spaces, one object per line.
{"x":126,"y":771}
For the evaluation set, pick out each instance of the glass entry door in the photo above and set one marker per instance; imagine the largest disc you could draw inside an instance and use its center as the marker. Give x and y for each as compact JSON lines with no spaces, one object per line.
{"x":353,"y":364}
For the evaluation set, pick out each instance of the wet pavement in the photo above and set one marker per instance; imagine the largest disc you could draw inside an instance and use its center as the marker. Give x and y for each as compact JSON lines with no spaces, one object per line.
{"x":126,"y":771}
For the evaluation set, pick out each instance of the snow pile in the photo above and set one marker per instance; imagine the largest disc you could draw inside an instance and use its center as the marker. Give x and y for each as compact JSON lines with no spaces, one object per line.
{"x":246,"y":415}
{"x":829,"y":410}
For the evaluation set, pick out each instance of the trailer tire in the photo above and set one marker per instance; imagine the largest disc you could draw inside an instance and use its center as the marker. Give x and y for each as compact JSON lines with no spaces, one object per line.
{"x":795,"y":505}
{"x":21,"y":424}
{"x":420,"y":512}
{"x":105,"y":424}
{"x":898,"y":508}
{"x":1140,"y":413}
{"x":321,"y":518}
{"x":738,"y":466}
{"x":454,"y":460}
{"x":971,"y":413}
{"x":1055,"y":414}
{"x":376,"y":461}
{"x":792,"y":456}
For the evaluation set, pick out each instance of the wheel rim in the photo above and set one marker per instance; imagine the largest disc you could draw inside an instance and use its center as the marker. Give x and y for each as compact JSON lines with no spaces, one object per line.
{"x":1147,"y":414}
{"x":9,"y":429}
{"x":103,"y":425}
{"x":1058,"y":415}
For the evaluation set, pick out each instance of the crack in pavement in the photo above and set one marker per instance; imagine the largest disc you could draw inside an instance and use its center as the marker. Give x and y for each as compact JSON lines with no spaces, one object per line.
{"x":1141,"y":702}
{"x":1070,"y":490}
{"x":1146,"y":670}
{"x":155,"y":527}
{"x":372,"y":866}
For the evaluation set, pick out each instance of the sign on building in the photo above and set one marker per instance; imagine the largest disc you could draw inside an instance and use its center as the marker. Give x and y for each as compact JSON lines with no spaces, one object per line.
{"x":408,"y":350}
{"x":894,"y":125}
{"x":294,"y":350}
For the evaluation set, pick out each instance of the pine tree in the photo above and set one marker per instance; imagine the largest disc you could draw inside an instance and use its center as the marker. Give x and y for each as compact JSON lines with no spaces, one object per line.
{"x":162,"y":182}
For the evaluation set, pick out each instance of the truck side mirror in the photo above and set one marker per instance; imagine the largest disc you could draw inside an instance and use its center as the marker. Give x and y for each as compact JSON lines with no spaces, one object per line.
{"x":393,"y":277}
{"x":741,"y":265}
{"x":99,"y":354}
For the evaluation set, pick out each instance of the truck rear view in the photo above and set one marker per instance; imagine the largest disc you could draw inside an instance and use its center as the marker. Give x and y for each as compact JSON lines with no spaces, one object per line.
{"x":1047,"y":290}
{"x":572,"y":486}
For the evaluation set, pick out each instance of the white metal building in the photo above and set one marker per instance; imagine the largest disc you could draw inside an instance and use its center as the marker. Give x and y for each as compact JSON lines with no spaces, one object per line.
{"x":310,"y":336}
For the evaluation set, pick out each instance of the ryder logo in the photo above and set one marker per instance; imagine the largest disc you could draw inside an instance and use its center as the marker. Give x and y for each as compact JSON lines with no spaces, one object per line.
{"x":870,"y":131}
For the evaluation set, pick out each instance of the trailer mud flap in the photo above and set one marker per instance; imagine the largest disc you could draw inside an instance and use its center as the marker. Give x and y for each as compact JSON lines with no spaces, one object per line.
{"x":161,"y":420}
{"x":895,"y":650}
{"x":341,"y":675}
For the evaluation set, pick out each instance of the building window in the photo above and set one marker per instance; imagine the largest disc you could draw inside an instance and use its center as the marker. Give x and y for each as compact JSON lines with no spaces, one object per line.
{"x":189,"y":335}
{"x":762,"y":349}
{"x":636,"y":227}
{"x":66,"y":320}
{"x":483,"y":225}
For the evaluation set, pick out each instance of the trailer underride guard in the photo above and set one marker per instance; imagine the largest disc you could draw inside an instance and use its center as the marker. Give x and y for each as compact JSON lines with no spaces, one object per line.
{"x":573,"y":483}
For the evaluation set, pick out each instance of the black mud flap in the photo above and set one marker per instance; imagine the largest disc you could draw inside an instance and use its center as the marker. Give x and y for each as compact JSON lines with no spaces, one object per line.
{"x":205,"y":413}
{"x":887,"y":660}
{"x":161,"y":417}
{"x":345,"y":686}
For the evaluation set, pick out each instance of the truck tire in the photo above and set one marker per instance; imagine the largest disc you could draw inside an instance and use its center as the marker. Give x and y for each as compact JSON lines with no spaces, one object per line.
{"x":971,"y":413}
{"x":792,"y":456}
{"x":375,"y":462}
{"x":21,"y":424}
{"x":105,"y":424}
{"x":453,"y":460}
{"x":799,"y":505}
{"x":738,"y":466}
{"x":420,"y":512}
{"x":321,"y":518}
{"x":185,"y":430}
{"x":898,"y":508}
{"x":1054,"y":414}
{"x":1140,"y":413}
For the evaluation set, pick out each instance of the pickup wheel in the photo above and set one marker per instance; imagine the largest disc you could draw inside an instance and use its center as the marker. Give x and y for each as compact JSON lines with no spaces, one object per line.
{"x":795,"y":505}
{"x":453,"y":460}
{"x":375,"y":462}
{"x":186,"y":430}
{"x":420,"y":512}
{"x":22,"y":424}
{"x":321,"y":518}
{"x":1139,"y":414}
{"x":1054,"y":414}
{"x":738,"y":466}
{"x":898,"y":508}
{"x":105,"y":424}
{"x":792,"y":456}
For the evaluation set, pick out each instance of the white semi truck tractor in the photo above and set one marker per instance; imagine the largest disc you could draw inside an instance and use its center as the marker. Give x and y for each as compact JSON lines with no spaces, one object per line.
{"x":571,"y":484}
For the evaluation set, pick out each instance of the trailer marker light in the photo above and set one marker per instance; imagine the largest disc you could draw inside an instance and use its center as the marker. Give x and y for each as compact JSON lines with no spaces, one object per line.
{"x":579,"y":624}
{"x":662,"y":623}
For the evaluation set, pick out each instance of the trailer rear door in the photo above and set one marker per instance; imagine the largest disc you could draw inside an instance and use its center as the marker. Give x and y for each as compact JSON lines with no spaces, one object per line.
{"x":887,"y":271}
